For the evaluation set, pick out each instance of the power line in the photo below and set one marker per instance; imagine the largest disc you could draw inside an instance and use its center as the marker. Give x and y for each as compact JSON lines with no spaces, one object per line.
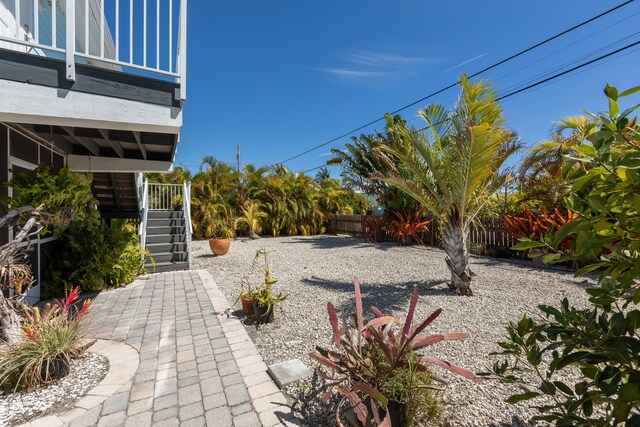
{"x":544,"y":81}
{"x":490,"y":67}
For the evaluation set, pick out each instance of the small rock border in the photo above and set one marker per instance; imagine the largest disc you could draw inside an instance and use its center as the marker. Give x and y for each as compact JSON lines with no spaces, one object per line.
{"x":123,"y":361}
{"x":86,"y":372}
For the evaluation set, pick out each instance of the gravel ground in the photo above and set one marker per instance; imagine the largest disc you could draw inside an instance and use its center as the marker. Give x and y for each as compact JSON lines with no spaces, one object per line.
{"x":314,"y":270}
{"x":20,"y":407}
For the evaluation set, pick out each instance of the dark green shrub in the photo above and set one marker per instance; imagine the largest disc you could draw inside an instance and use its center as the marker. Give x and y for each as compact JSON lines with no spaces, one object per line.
{"x":602,"y":342}
{"x":92,"y":255}
{"x":65,"y":193}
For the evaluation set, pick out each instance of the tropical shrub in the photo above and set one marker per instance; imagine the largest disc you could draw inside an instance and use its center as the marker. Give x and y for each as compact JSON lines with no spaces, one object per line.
{"x":410,"y":225}
{"x":93,"y":255}
{"x":50,"y":339}
{"x":250,"y":218}
{"x":66,"y":194}
{"x":601,"y":341}
{"x":378,"y":369}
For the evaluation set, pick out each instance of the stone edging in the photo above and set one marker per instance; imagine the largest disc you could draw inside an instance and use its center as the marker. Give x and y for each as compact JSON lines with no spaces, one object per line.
{"x":123,"y":363}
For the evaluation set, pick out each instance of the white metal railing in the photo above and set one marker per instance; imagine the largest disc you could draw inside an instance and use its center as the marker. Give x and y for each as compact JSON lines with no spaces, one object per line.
{"x":135,"y":34}
{"x":144,"y":214}
{"x":164,"y":197}
{"x":186,"y":207}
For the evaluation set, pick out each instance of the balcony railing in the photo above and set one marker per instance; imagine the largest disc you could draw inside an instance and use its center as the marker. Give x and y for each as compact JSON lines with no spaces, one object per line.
{"x":149,"y":36}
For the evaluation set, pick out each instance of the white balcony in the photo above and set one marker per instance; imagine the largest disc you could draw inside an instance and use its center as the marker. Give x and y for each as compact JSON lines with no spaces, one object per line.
{"x":140,"y":37}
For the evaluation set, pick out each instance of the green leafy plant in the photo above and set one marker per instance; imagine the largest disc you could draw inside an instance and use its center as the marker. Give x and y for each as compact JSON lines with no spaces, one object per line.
{"x":251,"y":217}
{"x":50,"y":339}
{"x":263,"y":294}
{"x":65,"y":194}
{"x":602,"y":341}
{"x":93,"y":255}
{"x":377,"y":363}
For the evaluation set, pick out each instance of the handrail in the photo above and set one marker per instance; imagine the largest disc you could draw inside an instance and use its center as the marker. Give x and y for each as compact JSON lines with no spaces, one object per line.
{"x":145,"y":215}
{"x":92,"y":31}
{"x":186,"y":208}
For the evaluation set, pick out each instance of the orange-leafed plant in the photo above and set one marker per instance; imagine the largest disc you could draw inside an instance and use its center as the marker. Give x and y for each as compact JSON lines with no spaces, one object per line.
{"x":371,"y":226}
{"x":378,"y":366}
{"x":411,"y":225}
{"x":535,"y":224}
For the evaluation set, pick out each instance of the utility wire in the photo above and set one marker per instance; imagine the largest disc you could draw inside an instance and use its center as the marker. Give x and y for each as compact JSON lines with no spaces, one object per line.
{"x":543,"y":81}
{"x":490,"y":67}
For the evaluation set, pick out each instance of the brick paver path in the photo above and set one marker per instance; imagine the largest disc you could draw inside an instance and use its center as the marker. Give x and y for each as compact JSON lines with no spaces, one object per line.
{"x":196,"y":366}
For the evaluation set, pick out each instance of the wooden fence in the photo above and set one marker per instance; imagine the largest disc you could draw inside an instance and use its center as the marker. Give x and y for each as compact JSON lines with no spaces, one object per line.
{"x":486,"y":237}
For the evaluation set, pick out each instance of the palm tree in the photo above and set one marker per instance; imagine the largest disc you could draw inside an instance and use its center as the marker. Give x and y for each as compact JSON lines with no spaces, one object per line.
{"x":251,"y":217}
{"x":546,"y":167}
{"x":323,"y":175}
{"x":455,"y":163}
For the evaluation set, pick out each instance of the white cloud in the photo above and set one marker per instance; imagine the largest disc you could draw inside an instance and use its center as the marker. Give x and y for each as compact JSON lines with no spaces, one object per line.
{"x":377,"y":59}
{"x":351,"y":73}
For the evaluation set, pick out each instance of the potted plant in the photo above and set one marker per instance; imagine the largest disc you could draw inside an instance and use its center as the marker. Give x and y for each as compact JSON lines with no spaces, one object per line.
{"x":266,"y":300}
{"x":220,"y":237}
{"x":379,"y":369}
{"x":176,"y":202}
{"x":247,"y":296}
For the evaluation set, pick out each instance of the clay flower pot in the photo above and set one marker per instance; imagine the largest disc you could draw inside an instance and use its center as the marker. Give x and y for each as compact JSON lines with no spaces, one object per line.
{"x":219,"y":246}
{"x":247,"y":304}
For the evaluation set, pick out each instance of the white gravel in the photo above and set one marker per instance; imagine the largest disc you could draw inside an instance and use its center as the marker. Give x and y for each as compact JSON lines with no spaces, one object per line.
{"x":317,"y":269}
{"x":20,"y":407}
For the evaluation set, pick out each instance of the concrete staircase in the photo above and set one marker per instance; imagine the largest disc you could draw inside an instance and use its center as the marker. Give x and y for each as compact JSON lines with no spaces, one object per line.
{"x":166,"y":240}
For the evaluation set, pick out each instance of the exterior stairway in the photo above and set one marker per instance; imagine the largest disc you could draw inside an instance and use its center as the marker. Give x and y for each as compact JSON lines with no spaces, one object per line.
{"x":166,"y":241}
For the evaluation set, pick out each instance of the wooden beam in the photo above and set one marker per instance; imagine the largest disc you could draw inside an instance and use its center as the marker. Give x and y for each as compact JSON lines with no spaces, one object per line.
{"x":87,"y":143}
{"x":140,"y":145}
{"x":80,"y":163}
{"x":114,"y":144}
{"x":115,"y":191}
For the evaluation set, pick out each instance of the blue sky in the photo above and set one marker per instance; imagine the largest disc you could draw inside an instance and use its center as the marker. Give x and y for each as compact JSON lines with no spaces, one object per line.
{"x":280,"y":77}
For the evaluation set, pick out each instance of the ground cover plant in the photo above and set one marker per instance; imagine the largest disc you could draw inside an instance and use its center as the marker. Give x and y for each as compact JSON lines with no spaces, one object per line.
{"x":603,"y":340}
{"x":94,"y":255}
{"x":377,"y":367}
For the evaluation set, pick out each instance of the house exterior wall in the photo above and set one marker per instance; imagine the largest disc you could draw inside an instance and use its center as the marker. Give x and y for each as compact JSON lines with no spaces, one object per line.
{"x":18,"y":152}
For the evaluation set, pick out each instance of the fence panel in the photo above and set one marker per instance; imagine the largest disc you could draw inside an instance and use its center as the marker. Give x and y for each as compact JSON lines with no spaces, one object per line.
{"x":485,"y":236}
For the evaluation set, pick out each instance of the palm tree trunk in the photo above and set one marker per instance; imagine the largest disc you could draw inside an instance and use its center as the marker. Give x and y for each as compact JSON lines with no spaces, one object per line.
{"x":454,"y":240}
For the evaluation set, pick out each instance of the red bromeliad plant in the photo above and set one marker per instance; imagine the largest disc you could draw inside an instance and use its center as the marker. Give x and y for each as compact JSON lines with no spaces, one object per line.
{"x":412,"y":225}
{"x":372,"y":357}
{"x":371,"y":226}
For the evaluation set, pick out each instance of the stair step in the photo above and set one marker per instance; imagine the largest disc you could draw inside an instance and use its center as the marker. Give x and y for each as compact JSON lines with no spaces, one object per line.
{"x":161,"y":267}
{"x":169,"y":256}
{"x":155,"y":248}
{"x":166,"y":222}
{"x":165,"y":230}
{"x":165,"y":214}
{"x":166,"y":238}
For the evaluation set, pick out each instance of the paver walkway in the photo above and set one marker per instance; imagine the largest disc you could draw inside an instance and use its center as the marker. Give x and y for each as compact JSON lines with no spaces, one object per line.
{"x":196,"y":366}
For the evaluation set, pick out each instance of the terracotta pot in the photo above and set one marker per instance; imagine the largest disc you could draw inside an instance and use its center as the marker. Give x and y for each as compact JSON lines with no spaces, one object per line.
{"x":247,"y":305}
{"x":219,"y":246}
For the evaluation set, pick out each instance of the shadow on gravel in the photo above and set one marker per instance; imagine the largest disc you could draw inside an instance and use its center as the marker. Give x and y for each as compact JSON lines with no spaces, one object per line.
{"x":335,"y":242}
{"x":386,"y":297}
